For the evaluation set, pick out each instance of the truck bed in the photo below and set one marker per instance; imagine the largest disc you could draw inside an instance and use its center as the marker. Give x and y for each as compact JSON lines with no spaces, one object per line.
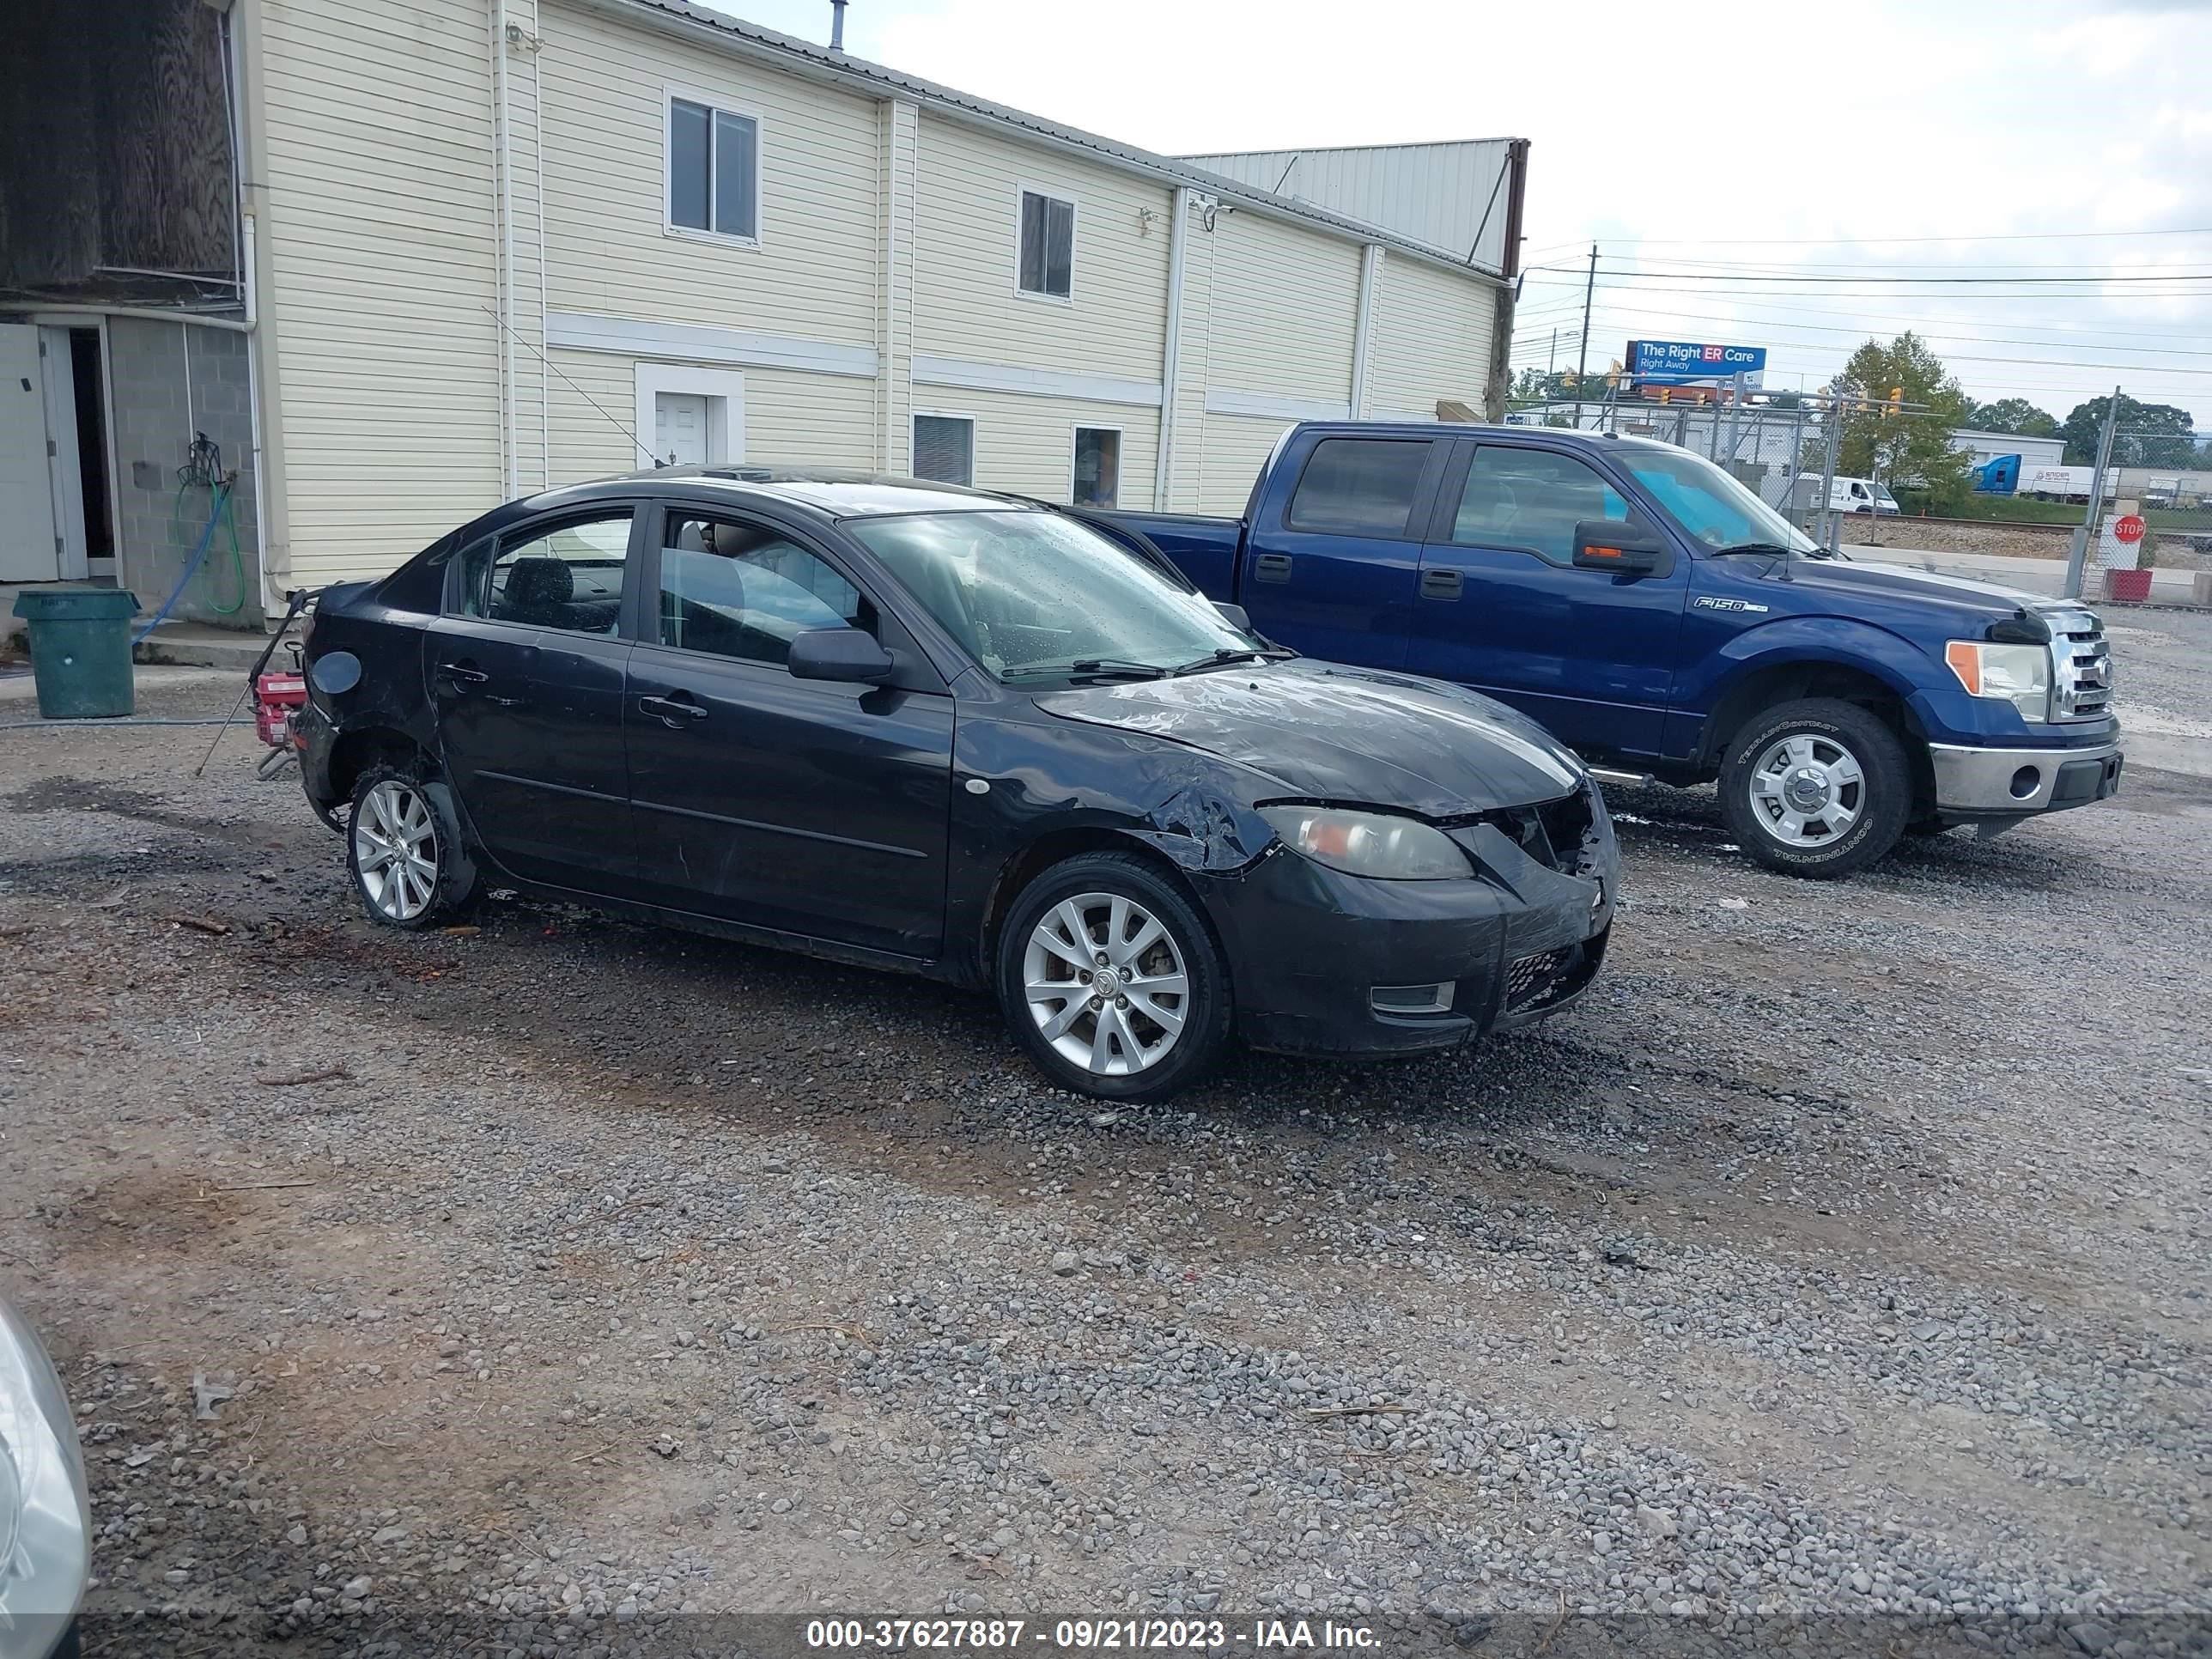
{"x":1203,"y":548}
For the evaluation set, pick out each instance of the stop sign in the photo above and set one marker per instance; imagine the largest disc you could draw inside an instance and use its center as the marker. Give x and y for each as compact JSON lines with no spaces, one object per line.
{"x":2128,"y":527}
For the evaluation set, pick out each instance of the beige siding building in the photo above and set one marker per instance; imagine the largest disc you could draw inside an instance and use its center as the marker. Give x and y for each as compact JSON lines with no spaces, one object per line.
{"x":484,"y":247}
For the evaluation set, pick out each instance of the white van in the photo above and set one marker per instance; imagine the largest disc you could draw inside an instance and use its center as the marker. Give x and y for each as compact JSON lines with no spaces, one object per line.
{"x":1858,"y":496}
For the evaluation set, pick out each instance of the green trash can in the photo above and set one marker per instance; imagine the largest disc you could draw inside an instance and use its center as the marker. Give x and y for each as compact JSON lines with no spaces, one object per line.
{"x":80,"y":650}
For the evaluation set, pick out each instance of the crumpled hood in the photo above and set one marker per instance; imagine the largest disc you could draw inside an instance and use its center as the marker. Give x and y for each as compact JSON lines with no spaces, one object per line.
{"x":1984,"y":599}
{"x":1325,"y":731}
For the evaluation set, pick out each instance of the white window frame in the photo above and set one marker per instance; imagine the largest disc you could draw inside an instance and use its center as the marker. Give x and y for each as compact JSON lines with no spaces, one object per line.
{"x":723,"y":390}
{"x":974,"y":437}
{"x":1121,"y":444}
{"x":1056,"y":193}
{"x":713,"y":101}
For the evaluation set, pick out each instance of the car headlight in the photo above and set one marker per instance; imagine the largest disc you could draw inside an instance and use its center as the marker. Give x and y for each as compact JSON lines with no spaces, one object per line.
{"x":2017,"y":674}
{"x":46,"y":1524}
{"x":1379,"y":844}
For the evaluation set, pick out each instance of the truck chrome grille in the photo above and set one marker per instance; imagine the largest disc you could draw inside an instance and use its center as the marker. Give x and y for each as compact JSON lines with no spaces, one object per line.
{"x":2081,"y":665}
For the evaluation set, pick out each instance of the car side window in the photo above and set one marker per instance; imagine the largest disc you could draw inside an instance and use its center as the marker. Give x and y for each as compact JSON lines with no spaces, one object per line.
{"x":1359,"y":486}
{"x":1532,"y":499}
{"x":569,"y":576}
{"x":745,"y":591}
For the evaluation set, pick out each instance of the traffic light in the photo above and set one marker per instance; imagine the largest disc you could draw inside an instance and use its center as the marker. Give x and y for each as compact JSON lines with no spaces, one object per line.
{"x":1896,"y":400}
{"x":1666,"y":393}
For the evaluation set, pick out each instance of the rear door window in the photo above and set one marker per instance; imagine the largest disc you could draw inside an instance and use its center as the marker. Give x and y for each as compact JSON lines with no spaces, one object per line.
{"x":567,"y":575}
{"x":1359,"y":486}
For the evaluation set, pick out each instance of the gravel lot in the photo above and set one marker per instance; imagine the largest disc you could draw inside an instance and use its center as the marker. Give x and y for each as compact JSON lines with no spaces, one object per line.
{"x":1841,"y":1262}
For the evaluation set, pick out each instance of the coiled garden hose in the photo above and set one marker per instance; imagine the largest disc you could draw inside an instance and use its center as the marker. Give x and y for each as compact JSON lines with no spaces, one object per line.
{"x":218,"y":512}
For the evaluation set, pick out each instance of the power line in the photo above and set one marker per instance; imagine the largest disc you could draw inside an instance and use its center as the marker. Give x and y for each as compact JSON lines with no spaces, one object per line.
{"x":1664,"y":282}
{"x":1947,"y":281}
{"x":1891,"y":241}
{"x":1916,"y":318}
{"x":1932,"y":331}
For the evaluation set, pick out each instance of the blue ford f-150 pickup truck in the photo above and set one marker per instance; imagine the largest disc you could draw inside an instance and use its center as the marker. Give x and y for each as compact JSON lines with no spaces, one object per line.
{"x":1660,"y":618}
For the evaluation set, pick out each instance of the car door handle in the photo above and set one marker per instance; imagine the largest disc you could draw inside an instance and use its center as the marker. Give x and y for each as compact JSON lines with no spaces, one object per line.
{"x":1272,"y":567}
{"x":462,"y":673}
{"x":1446,"y":585}
{"x":675,"y":712}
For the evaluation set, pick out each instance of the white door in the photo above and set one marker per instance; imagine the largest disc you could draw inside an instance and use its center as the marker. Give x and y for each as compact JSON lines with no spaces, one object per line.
{"x":27,"y":549}
{"x":679,"y":428}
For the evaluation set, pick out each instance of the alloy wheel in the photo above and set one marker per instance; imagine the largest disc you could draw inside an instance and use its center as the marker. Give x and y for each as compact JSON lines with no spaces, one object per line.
{"x":1807,"y":790}
{"x":1105,"y":980}
{"x":395,"y":849}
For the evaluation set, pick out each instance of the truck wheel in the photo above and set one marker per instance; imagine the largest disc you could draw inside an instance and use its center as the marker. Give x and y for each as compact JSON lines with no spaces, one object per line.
{"x":1111,"y":980}
{"x":1817,"y":788}
{"x":403,"y":847}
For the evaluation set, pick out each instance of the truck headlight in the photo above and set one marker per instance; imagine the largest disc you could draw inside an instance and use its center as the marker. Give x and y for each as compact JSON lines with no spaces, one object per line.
{"x":46,"y":1524}
{"x":1379,"y":844}
{"x":2017,"y":674}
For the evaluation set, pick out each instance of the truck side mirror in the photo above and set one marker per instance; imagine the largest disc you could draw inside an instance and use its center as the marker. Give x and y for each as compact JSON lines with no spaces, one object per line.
{"x":1628,"y":549}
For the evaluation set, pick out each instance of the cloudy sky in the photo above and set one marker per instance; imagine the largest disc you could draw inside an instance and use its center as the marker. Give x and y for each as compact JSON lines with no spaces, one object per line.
{"x":1790,"y":160}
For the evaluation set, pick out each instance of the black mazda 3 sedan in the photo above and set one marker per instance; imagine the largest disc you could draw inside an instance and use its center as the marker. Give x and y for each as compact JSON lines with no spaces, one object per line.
{"x":959,"y":734}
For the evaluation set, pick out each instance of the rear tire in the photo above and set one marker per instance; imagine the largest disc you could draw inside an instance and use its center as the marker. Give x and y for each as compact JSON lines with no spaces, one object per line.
{"x":1819,"y":788}
{"x":404,"y":851}
{"x":1113,"y":921}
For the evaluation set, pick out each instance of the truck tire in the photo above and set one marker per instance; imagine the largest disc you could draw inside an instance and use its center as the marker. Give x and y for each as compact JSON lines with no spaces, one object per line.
{"x":1819,"y":787}
{"x":1112,"y":917}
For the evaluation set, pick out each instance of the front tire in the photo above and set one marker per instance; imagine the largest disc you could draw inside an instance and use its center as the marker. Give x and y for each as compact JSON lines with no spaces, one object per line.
{"x":404,"y":850}
{"x":1818,"y":789}
{"x":1111,"y":980}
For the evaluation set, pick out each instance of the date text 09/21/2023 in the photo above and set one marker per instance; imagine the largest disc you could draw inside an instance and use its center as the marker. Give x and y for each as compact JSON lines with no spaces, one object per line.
{"x":1095,"y":1635}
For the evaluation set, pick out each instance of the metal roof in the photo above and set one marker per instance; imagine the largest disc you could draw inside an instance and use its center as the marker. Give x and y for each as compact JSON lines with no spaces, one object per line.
{"x":1449,"y":197}
{"x":804,"y":57}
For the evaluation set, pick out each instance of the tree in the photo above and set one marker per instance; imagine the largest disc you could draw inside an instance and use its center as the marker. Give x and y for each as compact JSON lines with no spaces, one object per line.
{"x":2015,"y":414}
{"x":2147,"y":434}
{"x":1908,"y":443}
{"x":1536,"y":385}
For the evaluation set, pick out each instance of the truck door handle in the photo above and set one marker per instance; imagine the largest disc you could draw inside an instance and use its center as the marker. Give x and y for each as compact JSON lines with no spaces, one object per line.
{"x":1442,"y":584}
{"x":675,"y":711}
{"x":461,"y":673}
{"x":1272,"y":567}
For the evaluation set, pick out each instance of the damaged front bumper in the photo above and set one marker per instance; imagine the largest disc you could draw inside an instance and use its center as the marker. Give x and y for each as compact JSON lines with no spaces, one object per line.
{"x":1328,"y":963}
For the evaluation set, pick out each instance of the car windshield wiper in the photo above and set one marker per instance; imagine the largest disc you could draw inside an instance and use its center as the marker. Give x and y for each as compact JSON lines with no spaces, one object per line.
{"x":1088,"y":668}
{"x":1228,"y":655}
{"x":1760,"y":547}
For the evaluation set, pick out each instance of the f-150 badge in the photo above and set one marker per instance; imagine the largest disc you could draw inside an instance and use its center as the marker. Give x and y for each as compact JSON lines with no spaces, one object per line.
{"x":1730,"y":604}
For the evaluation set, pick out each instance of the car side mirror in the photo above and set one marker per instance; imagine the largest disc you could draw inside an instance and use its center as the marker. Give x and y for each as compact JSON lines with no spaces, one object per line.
{"x":851,"y":656}
{"x":1234,"y":615}
{"x":1625,"y":548}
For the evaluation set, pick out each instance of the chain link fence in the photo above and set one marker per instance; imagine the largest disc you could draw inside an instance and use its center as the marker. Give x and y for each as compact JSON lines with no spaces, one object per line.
{"x":1775,"y":453}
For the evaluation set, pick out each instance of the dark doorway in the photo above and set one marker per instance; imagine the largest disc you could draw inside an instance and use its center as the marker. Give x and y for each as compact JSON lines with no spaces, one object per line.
{"x":91,"y":387}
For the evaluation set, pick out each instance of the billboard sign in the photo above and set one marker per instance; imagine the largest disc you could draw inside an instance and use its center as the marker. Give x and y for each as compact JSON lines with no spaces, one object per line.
{"x":1680,"y":362}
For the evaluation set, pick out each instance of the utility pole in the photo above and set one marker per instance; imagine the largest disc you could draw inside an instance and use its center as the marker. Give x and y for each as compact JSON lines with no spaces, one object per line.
{"x":1831,"y":526}
{"x":1552,"y":363}
{"x":1582,"y":357}
{"x":2077,"y":557}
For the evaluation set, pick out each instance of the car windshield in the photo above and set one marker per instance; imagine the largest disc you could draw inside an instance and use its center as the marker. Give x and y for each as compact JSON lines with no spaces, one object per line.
{"x":1032,"y":594}
{"x":1707,"y":503}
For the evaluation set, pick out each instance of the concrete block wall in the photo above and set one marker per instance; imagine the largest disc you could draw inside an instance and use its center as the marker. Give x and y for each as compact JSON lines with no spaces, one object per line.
{"x":170,"y":381}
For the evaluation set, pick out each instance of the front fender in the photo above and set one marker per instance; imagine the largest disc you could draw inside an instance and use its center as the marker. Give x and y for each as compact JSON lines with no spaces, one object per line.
{"x":1042,"y":779}
{"x":1712,"y":683}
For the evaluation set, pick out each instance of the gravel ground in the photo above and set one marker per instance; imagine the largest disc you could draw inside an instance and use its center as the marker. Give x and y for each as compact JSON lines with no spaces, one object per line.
{"x":1836,"y":1271}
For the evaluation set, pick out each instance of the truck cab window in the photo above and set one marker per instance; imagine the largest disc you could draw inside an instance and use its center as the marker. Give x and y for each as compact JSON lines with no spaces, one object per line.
{"x":1531,"y":499}
{"x":1359,"y":486}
